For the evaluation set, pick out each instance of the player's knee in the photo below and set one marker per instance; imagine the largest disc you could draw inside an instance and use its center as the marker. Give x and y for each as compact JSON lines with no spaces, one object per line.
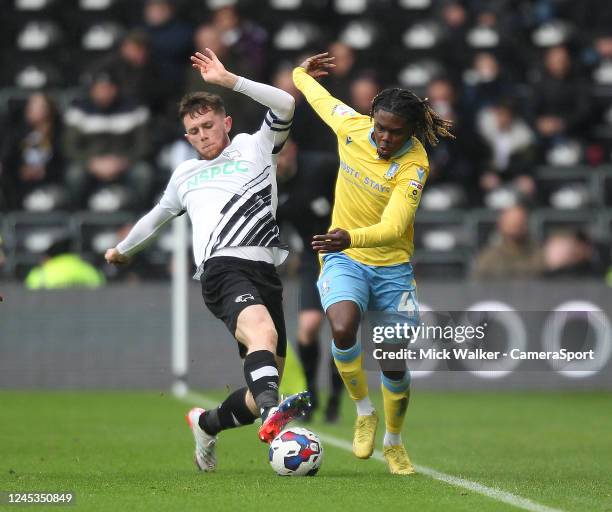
{"x":264,"y":337}
{"x":344,"y":333}
{"x":257,"y":332}
{"x":344,"y":320}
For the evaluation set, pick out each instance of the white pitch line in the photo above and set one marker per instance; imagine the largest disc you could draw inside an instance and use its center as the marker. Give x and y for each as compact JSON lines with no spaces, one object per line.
{"x":490,"y":492}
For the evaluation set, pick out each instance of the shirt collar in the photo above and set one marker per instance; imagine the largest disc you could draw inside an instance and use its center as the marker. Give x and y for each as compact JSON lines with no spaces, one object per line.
{"x":401,"y":151}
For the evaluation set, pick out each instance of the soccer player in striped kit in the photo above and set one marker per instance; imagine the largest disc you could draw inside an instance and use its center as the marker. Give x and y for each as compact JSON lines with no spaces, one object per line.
{"x":367,"y":251}
{"x":229,"y":193}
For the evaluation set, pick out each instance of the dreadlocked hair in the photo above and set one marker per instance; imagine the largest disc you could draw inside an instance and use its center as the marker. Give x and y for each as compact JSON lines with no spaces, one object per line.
{"x":424,"y":123}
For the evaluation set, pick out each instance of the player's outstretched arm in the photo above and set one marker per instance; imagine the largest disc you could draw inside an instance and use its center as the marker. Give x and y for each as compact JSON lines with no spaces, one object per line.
{"x":333,"y":111}
{"x":277,"y":123}
{"x":212,"y":69}
{"x":318,"y":65}
{"x":143,"y":233}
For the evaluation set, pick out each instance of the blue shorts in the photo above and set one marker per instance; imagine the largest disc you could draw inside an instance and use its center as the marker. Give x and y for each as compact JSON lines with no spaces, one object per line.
{"x":390,"y":288}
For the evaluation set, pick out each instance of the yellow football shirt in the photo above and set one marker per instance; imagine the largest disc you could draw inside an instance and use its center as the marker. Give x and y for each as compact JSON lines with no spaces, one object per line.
{"x":375,"y":199}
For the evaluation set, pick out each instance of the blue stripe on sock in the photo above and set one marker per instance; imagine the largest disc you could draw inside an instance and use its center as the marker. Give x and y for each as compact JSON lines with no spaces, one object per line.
{"x":396,"y":386}
{"x":348,"y":355}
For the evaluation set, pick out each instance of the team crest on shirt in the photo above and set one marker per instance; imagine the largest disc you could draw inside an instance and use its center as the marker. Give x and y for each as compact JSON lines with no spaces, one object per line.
{"x":392,"y":170}
{"x":324,"y":288}
{"x":232,"y":154}
{"x":244,"y":297}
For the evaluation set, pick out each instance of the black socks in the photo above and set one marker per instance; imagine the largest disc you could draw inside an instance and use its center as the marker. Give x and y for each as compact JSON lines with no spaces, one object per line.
{"x":309,"y":357}
{"x":337,"y":385}
{"x":261,"y":375}
{"x":233,"y":412}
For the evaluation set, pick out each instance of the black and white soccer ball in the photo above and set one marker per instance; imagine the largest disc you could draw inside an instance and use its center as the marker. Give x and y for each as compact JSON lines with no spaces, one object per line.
{"x":296,"y":451}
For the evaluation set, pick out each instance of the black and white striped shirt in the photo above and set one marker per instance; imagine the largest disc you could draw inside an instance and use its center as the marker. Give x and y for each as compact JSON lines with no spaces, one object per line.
{"x":232,"y":199}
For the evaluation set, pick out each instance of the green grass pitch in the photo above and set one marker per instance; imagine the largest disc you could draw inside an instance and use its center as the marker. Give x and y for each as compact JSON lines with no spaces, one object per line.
{"x":129,"y":451}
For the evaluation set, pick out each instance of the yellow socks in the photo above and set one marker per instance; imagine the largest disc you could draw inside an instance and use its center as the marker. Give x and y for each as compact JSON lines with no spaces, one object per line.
{"x":396,"y":394}
{"x":349,"y":366}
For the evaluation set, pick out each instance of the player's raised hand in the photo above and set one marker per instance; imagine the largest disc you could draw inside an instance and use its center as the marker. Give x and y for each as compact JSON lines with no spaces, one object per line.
{"x":114,"y":257}
{"x":318,"y":65}
{"x":212,"y":69}
{"x":335,"y":241}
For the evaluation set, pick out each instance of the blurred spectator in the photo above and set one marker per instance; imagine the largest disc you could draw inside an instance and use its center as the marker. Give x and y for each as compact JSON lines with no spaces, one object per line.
{"x":61,"y":268}
{"x":485,"y":83}
{"x":305,"y":130}
{"x":454,"y":49}
{"x":170,"y":41}
{"x":305,"y":196}
{"x":362,"y":91}
{"x":282,"y":78}
{"x":598,"y":59}
{"x":137,"y":74}
{"x":32,"y":161}
{"x":339,"y":80}
{"x":251,"y":112}
{"x":602,"y":48}
{"x":511,"y":254}
{"x":460,"y":161}
{"x":497,"y":29}
{"x":247,"y":40}
{"x":571,"y":254}
{"x":511,"y":142}
{"x":597,"y":56}
{"x":561,"y":105}
{"x":484,"y":47}
{"x":107,"y":140}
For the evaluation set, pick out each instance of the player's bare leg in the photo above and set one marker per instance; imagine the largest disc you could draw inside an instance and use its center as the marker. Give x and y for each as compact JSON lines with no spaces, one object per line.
{"x":344,"y":318}
{"x":255,"y":329}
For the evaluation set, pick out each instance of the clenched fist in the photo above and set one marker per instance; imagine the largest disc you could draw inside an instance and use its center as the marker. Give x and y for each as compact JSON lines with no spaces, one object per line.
{"x":114,"y":257}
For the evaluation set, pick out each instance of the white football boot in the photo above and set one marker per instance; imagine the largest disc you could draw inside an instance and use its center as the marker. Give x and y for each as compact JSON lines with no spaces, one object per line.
{"x":205,"y":458}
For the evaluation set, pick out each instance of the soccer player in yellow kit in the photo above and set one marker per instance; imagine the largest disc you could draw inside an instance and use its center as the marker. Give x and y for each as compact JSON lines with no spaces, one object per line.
{"x":366,"y":253}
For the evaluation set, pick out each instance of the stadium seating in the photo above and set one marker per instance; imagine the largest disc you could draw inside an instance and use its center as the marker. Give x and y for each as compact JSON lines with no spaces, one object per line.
{"x":405,"y":41}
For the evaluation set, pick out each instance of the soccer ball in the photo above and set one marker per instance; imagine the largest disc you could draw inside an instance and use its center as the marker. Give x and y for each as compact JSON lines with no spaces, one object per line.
{"x":296,"y":452}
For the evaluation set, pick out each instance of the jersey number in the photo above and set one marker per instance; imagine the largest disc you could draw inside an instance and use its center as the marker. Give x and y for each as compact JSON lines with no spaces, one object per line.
{"x":407,"y":303}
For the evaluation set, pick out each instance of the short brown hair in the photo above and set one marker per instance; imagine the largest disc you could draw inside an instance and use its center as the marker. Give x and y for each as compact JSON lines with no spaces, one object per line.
{"x":200,"y":103}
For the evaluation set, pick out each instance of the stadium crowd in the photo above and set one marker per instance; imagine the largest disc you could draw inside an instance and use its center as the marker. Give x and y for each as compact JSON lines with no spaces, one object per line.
{"x":90,"y":92}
